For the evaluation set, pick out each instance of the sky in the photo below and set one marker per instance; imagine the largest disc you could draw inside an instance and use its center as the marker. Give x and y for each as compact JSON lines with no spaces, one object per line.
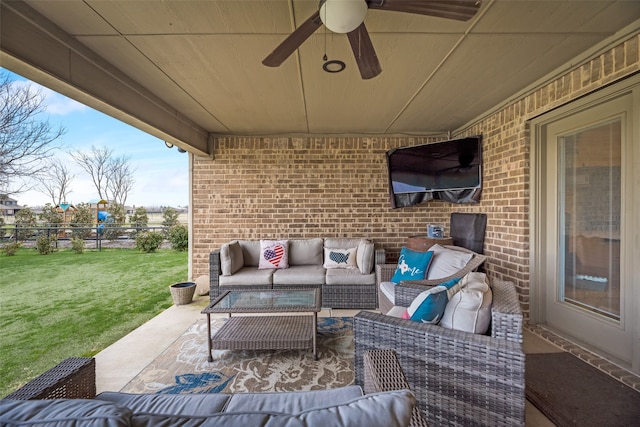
{"x":161,"y":174}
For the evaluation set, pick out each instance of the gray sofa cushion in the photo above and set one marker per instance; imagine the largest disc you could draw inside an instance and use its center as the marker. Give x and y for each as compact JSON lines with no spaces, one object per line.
{"x":250,"y":252}
{"x":224,"y":419}
{"x":293,"y":402}
{"x":248,"y":276}
{"x":231,"y":258}
{"x":344,"y":276}
{"x":365,"y":256}
{"x":63,"y":413}
{"x":305,"y":252}
{"x":300,"y":275}
{"x":169,"y":404}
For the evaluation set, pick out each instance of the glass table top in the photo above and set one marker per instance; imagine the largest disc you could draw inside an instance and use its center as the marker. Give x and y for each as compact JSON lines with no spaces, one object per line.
{"x":267,"y":301}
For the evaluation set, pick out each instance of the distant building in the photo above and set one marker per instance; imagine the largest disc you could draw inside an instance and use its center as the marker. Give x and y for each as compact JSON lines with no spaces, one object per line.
{"x":8,"y":206}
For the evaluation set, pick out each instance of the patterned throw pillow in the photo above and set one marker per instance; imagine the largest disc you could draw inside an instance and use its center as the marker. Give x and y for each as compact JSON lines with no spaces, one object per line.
{"x":274,"y":254}
{"x":430,"y":305}
{"x":340,"y":258}
{"x":412,"y":265}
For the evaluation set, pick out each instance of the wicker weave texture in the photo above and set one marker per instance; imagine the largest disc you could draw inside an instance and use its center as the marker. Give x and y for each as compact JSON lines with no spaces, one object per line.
{"x":73,"y":378}
{"x":265,"y":333}
{"x":459,"y":378}
{"x":382,"y":372}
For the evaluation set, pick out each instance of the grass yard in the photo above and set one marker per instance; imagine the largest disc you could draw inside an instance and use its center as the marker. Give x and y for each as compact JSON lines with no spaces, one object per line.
{"x":66,"y":304}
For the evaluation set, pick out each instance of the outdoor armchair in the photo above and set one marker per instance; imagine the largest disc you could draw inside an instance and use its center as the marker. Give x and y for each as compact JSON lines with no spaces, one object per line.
{"x":458,"y":378}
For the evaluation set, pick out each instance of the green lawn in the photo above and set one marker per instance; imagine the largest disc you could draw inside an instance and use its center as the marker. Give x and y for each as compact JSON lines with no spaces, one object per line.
{"x":67,"y":304}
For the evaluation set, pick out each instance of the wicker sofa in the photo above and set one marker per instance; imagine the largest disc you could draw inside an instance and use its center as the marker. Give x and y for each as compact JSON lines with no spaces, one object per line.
{"x":66,"y":396}
{"x":459,"y":378}
{"x":235,"y":266}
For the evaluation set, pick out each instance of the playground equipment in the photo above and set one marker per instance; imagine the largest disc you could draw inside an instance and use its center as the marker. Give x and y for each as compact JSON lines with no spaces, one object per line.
{"x":66,"y":210}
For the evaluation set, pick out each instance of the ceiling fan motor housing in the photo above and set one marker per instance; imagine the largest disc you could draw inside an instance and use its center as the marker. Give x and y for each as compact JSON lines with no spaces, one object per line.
{"x":343,"y":16}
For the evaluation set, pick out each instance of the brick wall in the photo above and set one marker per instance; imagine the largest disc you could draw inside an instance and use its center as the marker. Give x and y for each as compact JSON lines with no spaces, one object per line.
{"x":299,"y":187}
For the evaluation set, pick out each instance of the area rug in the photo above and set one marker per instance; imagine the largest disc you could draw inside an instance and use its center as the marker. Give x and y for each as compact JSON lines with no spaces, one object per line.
{"x":183,"y":366}
{"x":571,"y":392}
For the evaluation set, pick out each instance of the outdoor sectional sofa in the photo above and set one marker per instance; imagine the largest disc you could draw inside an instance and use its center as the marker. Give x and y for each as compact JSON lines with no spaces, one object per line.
{"x":65,"y":396}
{"x":342,"y":267}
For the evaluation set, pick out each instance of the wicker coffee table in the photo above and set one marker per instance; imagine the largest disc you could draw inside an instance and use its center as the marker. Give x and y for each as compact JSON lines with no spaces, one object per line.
{"x":260,"y":330}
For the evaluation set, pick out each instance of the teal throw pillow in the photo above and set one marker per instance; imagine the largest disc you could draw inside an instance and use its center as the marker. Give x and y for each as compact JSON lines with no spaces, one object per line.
{"x":412,"y":265}
{"x":429,"y":306}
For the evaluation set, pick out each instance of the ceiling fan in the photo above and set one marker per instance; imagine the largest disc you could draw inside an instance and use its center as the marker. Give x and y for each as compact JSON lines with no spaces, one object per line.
{"x":347,"y":16}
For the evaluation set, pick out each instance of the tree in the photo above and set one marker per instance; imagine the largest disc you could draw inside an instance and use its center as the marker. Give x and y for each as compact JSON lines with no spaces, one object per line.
{"x":81,"y":222}
{"x":111,"y":176}
{"x":95,"y":162}
{"x":139,"y":219}
{"x":26,"y":137}
{"x":119,"y":179}
{"x":25,"y":218}
{"x":55,"y":181}
{"x":170,"y":216}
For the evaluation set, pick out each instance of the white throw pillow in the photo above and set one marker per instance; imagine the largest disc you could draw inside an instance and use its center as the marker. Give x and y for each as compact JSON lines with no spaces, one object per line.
{"x":340,"y":258}
{"x":274,"y":254}
{"x":446,"y":262}
{"x":469,"y":309}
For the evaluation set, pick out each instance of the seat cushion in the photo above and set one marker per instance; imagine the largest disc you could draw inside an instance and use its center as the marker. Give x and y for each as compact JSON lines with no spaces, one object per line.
{"x":169,"y":404}
{"x":292,"y":402}
{"x":66,"y":413}
{"x":389,"y":291}
{"x":349,"y":277}
{"x":300,"y":275}
{"x":248,"y":276}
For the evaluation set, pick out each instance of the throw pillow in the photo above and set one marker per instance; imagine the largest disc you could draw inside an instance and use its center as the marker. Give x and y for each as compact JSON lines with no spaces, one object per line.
{"x":446,"y":262}
{"x":231,"y":258}
{"x":365,"y":256}
{"x":412,"y":265}
{"x":273,"y":254}
{"x":469,"y":309}
{"x":340,"y":258}
{"x":428,"y":307}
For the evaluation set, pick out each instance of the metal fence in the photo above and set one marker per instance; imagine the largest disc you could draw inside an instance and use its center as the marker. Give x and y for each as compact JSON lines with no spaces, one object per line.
{"x":102,"y":234}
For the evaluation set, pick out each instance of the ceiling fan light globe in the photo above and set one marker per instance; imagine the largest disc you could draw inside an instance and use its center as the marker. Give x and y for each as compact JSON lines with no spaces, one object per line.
{"x":343,"y":16}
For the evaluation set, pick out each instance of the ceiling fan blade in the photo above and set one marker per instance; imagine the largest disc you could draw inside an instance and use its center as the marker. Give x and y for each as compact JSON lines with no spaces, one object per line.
{"x":364,"y":52}
{"x":460,"y":10}
{"x":293,"y":41}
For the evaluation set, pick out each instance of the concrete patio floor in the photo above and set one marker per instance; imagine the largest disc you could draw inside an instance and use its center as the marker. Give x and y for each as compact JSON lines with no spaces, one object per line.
{"x":143,"y":345}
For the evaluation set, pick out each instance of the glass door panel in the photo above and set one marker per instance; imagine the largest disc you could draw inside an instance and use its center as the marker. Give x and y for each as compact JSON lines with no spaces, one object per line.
{"x":589,"y":201}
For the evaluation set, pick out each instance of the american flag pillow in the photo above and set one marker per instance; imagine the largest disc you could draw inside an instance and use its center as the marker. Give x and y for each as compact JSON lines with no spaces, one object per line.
{"x":274,"y":254}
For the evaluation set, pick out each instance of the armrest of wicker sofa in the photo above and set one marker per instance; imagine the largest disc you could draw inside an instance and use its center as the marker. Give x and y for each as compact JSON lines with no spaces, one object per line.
{"x":382,"y":372}
{"x":457,"y":377}
{"x":73,"y":378}
{"x":215,"y":270}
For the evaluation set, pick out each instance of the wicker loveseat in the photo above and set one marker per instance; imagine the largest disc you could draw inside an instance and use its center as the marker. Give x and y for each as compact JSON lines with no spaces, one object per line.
{"x":459,"y":378}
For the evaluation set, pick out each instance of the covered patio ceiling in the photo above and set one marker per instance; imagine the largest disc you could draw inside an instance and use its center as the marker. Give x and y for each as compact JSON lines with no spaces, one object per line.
{"x":186,"y":71}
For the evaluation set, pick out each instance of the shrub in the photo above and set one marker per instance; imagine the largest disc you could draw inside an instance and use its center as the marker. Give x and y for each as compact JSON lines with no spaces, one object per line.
{"x":25,"y":219}
{"x":179,"y":237}
{"x":83,"y":221}
{"x":139,"y":219}
{"x":10,"y":249}
{"x":77,"y":245}
{"x":44,"y":244}
{"x":148,"y":241}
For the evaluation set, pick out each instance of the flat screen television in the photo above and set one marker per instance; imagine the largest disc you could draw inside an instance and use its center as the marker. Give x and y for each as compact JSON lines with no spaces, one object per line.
{"x":448,"y":170}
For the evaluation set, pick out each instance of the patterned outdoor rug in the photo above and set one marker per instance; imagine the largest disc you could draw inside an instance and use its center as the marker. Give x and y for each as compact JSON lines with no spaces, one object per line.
{"x":183,"y":366}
